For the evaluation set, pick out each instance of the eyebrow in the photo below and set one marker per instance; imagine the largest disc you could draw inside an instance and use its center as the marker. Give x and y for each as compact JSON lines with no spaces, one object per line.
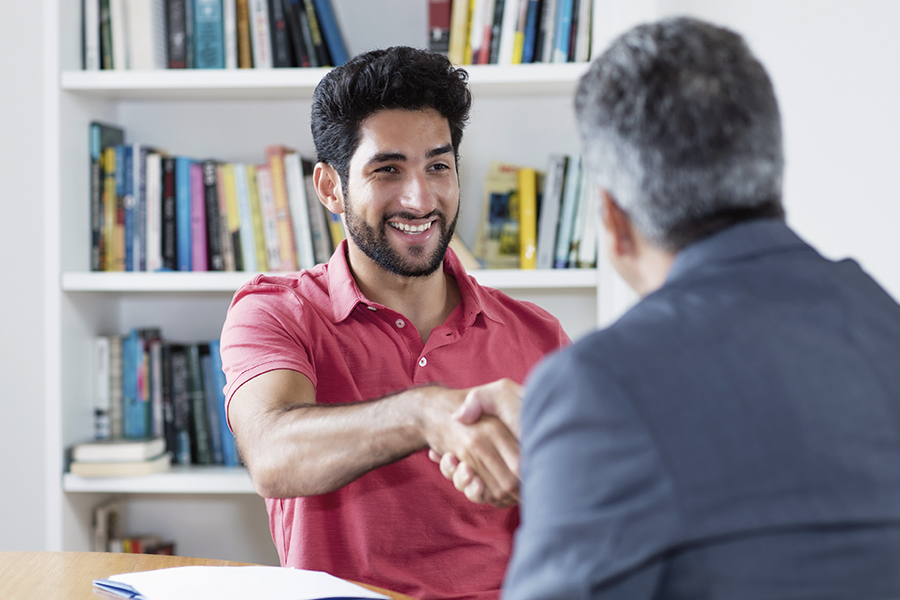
{"x":400,"y":157}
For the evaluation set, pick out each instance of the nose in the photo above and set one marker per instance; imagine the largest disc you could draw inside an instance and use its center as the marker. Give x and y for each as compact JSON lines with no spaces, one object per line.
{"x":418,"y":196}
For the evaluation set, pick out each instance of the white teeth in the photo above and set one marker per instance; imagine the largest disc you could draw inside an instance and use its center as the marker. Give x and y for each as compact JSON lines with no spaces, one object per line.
{"x":411,"y":228}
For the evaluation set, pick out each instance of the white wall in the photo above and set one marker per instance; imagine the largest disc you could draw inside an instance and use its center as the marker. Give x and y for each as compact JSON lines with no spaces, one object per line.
{"x":835,"y":68}
{"x":21,"y":279}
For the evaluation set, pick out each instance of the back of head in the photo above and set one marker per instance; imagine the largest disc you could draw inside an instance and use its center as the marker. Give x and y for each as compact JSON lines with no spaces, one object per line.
{"x":679,"y":123}
{"x":394,"y":78}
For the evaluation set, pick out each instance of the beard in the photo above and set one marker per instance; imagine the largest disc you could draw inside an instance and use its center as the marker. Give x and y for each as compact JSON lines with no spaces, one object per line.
{"x":374,"y":242}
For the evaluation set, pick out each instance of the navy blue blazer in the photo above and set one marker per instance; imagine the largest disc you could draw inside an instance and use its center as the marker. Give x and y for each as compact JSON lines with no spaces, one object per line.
{"x":735,"y":435}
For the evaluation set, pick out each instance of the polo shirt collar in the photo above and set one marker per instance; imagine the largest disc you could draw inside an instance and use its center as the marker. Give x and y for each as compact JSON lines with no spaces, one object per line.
{"x":345,"y":294}
{"x":738,"y":242}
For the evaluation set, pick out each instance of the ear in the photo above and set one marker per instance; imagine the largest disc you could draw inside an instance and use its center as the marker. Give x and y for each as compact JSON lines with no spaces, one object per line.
{"x":618,"y":226}
{"x":328,"y":187}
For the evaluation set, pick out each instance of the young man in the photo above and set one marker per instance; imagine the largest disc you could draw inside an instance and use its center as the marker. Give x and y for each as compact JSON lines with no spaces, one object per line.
{"x":737,"y":433}
{"x":342,"y":376}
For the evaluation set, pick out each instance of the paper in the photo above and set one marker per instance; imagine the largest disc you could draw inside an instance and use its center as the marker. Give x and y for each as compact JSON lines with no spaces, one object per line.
{"x":233,"y":583}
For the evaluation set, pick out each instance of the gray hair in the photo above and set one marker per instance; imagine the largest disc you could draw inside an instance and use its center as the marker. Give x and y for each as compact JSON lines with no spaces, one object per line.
{"x":679,"y":123}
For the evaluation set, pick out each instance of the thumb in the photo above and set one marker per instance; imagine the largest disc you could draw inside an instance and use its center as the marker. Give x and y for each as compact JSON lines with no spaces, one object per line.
{"x":472,"y":409}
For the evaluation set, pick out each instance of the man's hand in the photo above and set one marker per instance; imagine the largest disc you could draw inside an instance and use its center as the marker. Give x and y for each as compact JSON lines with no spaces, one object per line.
{"x":500,"y":399}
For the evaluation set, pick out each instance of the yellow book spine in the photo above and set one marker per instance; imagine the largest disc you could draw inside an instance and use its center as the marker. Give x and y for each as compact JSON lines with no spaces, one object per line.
{"x":518,"y":45}
{"x":286,"y":244}
{"x":527,"y":218}
{"x":459,"y":32}
{"x":109,"y":208}
{"x":259,"y":232}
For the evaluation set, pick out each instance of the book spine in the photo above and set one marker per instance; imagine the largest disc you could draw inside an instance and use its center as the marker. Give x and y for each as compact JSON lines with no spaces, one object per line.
{"x":244,"y":45}
{"x":154,"y":212}
{"x":299,"y":7}
{"x":168,"y":402}
{"x":124,"y":212}
{"x":300,"y":56}
{"x":496,"y":28}
{"x":169,"y":237}
{"x":199,"y":257}
{"x":131,"y":424}
{"x":521,"y":26}
{"x":202,"y":451}
{"x":177,"y":57}
{"x":232,"y":214}
{"x":531,"y":31}
{"x":562,"y":34}
{"x":583,"y":36}
{"x":281,"y":45}
{"x":459,"y":32}
{"x":116,"y":384}
{"x":215,"y":255}
{"x":181,"y":403}
{"x":117,"y":23}
{"x":91,"y":34}
{"x":548,"y":29}
{"x":158,"y":36}
{"x":269,"y":216}
{"x":439,"y":21}
{"x":286,"y":244}
{"x":229,"y":450}
{"x":527,"y":218}
{"x":106,"y":52}
{"x":318,"y":222}
{"x":102,"y":425}
{"x":209,"y":36}
{"x":331,"y":32}
{"x":139,"y":252}
{"x":260,"y":36}
{"x":183,"y":212}
{"x":212,"y":410}
{"x":323,"y":57}
{"x":259,"y":234}
{"x":296,"y":191}
{"x":110,"y":204}
{"x":247,"y":233}
{"x":508,"y":32}
{"x":96,"y":198}
{"x":229,"y":33}
{"x":190,"y":58}
{"x":157,"y":418}
{"x":550,"y":207}
{"x":567,"y":213}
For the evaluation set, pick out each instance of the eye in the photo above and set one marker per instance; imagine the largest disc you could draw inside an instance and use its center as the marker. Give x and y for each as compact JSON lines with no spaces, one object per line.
{"x":439,"y":167}
{"x":387,"y":169}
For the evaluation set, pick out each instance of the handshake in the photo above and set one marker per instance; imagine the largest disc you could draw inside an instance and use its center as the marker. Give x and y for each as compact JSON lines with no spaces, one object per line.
{"x":482,"y":458}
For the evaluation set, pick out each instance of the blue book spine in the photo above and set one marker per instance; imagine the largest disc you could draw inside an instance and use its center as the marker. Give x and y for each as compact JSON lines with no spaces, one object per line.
{"x":128,"y":195}
{"x":183,"y":211}
{"x":229,"y":450}
{"x":567,"y":213}
{"x":212,"y":411}
{"x":134,"y":424}
{"x":209,"y":35}
{"x":331,"y":32}
{"x":563,"y":31}
{"x":531,"y":25}
{"x":140,"y":192}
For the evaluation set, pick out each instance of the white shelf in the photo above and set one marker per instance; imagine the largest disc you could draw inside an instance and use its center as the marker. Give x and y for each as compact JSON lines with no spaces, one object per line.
{"x":277,"y":84}
{"x":179,"y":480}
{"x":230,"y":282}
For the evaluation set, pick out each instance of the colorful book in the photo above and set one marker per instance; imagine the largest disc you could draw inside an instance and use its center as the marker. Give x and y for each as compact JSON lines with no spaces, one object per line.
{"x":528,"y":205}
{"x":562,"y":35}
{"x":110,"y":204}
{"x":212,"y":410}
{"x":244,"y":43}
{"x":532,"y":28}
{"x":232,"y":214}
{"x":287,"y":247}
{"x":439,"y":20}
{"x":323,"y":58}
{"x":328,"y":24}
{"x":106,"y":51}
{"x":459,"y":32}
{"x":259,"y":233}
{"x":184,"y":245}
{"x":497,"y":244}
{"x":101,"y":136}
{"x":209,"y":35}
{"x":228,"y":251}
{"x":260,"y":36}
{"x":269,"y":216}
{"x":229,"y":450}
{"x":125,"y":200}
{"x":246,"y":226}
{"x":199,"y":249}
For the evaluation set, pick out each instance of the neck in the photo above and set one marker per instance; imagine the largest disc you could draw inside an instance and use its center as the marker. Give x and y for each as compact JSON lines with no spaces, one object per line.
{"x":426,"y":302}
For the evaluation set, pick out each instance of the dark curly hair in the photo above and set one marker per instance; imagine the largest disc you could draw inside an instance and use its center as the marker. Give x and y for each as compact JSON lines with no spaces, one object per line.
{"x":399,"y":77}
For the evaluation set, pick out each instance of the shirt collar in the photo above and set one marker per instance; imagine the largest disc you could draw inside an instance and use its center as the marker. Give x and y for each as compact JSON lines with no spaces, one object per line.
{"x":738,"y":242}
{"x":345,"y":294}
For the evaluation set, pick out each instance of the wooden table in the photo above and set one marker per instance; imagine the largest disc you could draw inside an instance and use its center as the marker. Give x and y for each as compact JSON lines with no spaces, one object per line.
{"x":68,"y":575}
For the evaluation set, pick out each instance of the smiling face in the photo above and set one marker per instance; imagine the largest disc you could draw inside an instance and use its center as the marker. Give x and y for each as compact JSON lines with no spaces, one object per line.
{"x":401,"y":202}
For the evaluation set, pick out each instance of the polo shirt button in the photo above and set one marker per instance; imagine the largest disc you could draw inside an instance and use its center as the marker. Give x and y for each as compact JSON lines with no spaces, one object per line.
{"x":422,"y":362}
{"x":400,"y":323}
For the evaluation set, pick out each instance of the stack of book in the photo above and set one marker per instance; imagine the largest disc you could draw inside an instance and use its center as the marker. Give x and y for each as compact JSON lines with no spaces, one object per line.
{"x":509,"y":32}
{"x":117,"y":457}
{"x":210,"y":34}
{"x":154,"y":212}
{"x":173,"y":392}
{"x":534,"y":219}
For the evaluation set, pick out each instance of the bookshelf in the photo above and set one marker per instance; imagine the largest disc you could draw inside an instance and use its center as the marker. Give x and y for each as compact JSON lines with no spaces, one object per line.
{"x":233,"y":115}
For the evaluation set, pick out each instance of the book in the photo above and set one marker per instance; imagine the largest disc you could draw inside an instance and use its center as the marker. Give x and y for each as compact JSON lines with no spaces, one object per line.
{"x":496,"y":29}
{"x":169,"y":234}
{"x":287,"y":247}
{"x":328,"y":25}
{"x":125,"y":190}
{"x":260,"y":36}
{"x":323,"y":58}
{"x":118,"y":23}
{"x":459,"y":32}
{"x":508,"y":25}
{"x":232,"y":216}
{"x":90,"y":35}
{"x":146,"y":34}
{"x":157,"y":417}
{"x":106,"y":51}
{"x":528,"y":207}
{"x":532,"y":26}
{"x":547,"y":31}
{"x":229,"y":450}
{"x":497,"y":244}
{"x":136,"y":409}
{"x":519,"y":39}
{"x":246,"y":226}
{"x":550,"y":207}
{"x":244,"y":43}
{"x":116,"y":343}
{"x":153,"y":250}
{"x":159,"y":464}
{"x":282,"y":56}
{"x":567,"y":213}
{"x":579,"y":225}
{"x":587,"y":249}
{"x":184,"y":245}
{"x":176,"y":33}
{"x":269,"y":216}
{"x":140,"y":155}
{"x":119,"y":449}
{"x":215,"y":252}
{"x":561,"y":36}
{"x":199,"y":244}
{"x":101,"y":136}
{"x":101,"y":366}
{"x":201,"y":449}
{"x":296,"y":190}
{"x":259,"y":233}
{"x":168,"y":403}
{"x":582,"y":51}
{"x":212,"y":410}
{"x":439,"y":20}
{"x":209,"y":35}
{"x":229,"y":33}
{"x":297,"y":33}
{"x":108,"y":523}
{"x":181,"y":405}
{"x":110,"y":203}
{"x":190,"y":49}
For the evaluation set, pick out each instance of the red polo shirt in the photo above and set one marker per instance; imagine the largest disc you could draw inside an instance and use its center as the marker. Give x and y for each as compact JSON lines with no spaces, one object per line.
{"x":402,"y":526}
